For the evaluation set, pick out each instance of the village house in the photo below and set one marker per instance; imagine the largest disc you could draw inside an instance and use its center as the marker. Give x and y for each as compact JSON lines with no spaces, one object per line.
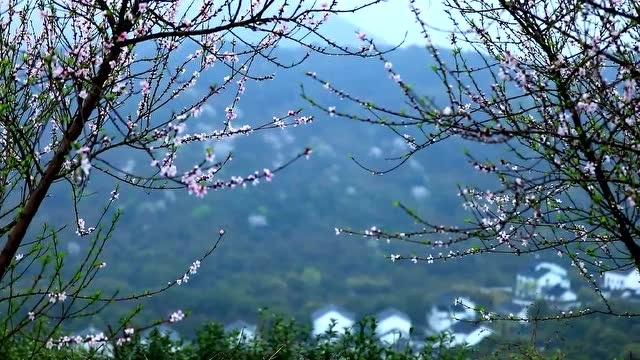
{"x":448,"y":311}
{"x":515,"y":311}
{"x":622,"y":284}
{"x":392,"y":325}
{"x":468,"y":333}
{"x":545,"y":281}
{"x":457,"y":316}
{"x":323,"y":319}
{"x":246,"y":332}
{"x":99,"y":347}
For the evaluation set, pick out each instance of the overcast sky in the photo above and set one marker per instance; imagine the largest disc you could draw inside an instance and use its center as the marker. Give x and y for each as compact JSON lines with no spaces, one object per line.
{"x":392,"y":19}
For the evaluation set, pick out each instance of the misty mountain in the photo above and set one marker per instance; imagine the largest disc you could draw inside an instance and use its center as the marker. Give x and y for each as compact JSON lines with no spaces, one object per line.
{"x":280,"y":248}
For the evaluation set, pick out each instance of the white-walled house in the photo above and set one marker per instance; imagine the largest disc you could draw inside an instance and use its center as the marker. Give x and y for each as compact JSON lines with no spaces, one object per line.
{"x":559,"y":294}
{"x":468,"y":333}
{"x":246,"y":331}
{"x":544,"y":281}
{"x":325,"y":316}
{"x":392,"y":325}
{"x":100,"y":347}
{"x":448,"y":311}
{"x":509,"y":309}
{"x":622,"y":284}
{"x":551,"y":267}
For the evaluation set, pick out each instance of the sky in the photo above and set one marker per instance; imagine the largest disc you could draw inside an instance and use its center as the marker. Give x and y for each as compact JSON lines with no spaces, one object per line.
{"x":390,"y":20}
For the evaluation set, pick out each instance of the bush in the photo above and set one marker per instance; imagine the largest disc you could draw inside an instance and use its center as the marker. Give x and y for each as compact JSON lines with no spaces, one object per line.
{"x":278,"y":338}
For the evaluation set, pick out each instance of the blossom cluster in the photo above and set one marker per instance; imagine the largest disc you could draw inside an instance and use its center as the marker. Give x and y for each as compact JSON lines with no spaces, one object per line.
{"x":92,"y":340}
{"x":82,"y":230}
{"x":128,"y":336}
{"x":193,"y":269}
{"x":57,"y":297}
{"x":176,"y":316}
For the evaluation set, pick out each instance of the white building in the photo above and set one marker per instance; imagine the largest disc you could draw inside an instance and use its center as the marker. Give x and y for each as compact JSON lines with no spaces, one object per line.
{"x":449,"y":311}
{"x":392,"y":325}
{"x":623,"y":284}
{"x":103,"y":348}
{"x":544,"y":281}
{"x":509,"y":309}
{"x":551,"y":267}
{"x":470,"y":334}
{"x":324,"y":317}
{"x":246,"y":332}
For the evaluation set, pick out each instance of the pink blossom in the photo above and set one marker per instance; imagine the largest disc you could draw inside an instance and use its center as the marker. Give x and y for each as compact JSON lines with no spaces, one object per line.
{"x":58,"y":71}
{"x":198,"y":189}
{"x":196,"y":111}
{"x":168,"y":170}
{"x":210,"y":156}
{"x":231,"y":114}
{"x":267,"y":174}
{"x":562,"y":130}
{"x":145,"y":87}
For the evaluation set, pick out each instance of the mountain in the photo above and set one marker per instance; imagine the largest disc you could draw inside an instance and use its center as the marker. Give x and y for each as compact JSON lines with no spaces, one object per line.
{"x":280,"y":249}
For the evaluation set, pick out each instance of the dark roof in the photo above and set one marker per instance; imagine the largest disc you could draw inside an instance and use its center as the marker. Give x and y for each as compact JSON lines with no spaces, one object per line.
{"x":530,"y":269}
{"x":458,"y":308}
{"x":533,"y":273}
{"x":448,"y":298}
{"x":389,"y":312}
{"x":239,"y":325}
{"x":622,"y":272}
{"x":332,"y":307}
{"x":509,"y":307}
{"x":556,"y":290}
{"x":624,"y":293}
{"x":452,"y":306}
{"x":464,"y":327}
{"x":447,"y":302}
